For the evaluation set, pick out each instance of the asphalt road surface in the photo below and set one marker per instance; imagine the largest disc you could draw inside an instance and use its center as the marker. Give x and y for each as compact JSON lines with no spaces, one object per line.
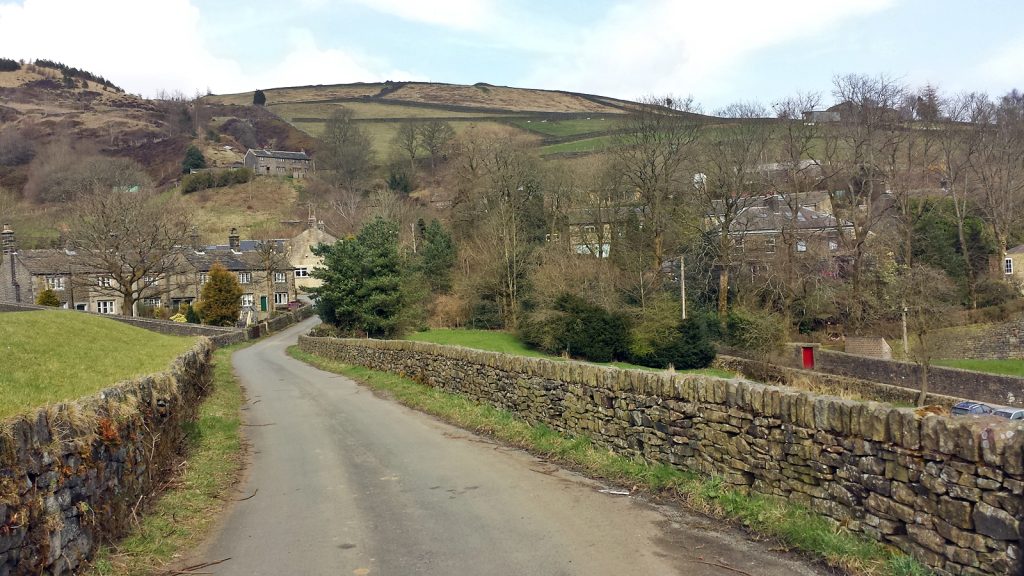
{"x":347,"y":483}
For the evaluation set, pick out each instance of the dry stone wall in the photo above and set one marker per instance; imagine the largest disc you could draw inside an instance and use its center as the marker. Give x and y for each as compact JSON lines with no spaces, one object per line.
{"x":72,"y":475}
{"x":948,"y":491}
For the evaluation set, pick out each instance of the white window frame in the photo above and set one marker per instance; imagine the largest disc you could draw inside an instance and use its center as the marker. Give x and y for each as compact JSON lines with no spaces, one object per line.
{"x":801,"y":246}
{"x":302,"y":272}
{"x":105,"y":307}
{"x":738,"y":243}
{"x":55,"y":282}
{"x":103,"y":281}
{"x":152,"y":302}
{"x":245,"y":277}
{"x":769,"y":245}
{"x":1008,"y":266}
{"x":280,"y":278}
{"x":280,"y":298}
{"x":833,"y":244}
{"x":203,"y":278}
{"x":248,"y":300}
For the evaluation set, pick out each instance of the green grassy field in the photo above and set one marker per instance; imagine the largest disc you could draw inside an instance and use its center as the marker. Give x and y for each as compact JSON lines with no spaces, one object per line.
{"x":562,"y":128}
{"x":586,"y":145}
{"x":507,"y":343}
{"x":55,"y":356}
{"x":1007,"y":367}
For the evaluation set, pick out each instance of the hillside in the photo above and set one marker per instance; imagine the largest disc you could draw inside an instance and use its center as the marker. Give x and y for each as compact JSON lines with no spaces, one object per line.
{"x":563,"y":121}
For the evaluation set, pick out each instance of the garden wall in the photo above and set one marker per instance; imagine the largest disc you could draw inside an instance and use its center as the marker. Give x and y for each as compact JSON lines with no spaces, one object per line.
{"x":991,"y":388}
{"x":948,"y":491}
{"x":981,"y":341}
{"x":73,"y":475}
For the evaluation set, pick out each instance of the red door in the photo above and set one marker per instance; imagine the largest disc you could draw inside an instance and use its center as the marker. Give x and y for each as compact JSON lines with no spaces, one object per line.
{"x":808,"y":357}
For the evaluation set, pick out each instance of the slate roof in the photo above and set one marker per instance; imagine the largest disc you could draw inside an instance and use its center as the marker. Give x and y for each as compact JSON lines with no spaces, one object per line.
{"x":280,"y":154}
{"x":763,"y":219}
{"x":1016,"y":250}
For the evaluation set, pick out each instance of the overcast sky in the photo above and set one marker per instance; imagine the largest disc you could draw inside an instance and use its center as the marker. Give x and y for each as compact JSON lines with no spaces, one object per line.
{"x":719,"y":51}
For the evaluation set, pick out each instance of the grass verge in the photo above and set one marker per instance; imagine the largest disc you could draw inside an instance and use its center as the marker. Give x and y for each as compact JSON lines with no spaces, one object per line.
{"x":41,"y":365}
{"x":789,"y":524}
{"x":507,"y":343}
{"x":181,"y":517}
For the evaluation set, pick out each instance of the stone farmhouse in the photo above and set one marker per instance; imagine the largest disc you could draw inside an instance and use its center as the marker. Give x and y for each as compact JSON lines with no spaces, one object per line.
{"x":300,"y":252}
{"x":263,"y":270}
{"x":278,"y":163}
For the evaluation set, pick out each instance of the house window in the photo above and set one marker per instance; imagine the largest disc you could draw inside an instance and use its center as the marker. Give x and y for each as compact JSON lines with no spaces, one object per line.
{"x":245,"y":277}
{"x":738,"y":244}
{"x":203,"y":278}
{"x":248,"y":300}
{"x":769,"y":245}
{"x":590,"y":229}
{"x":279,"y":278}
{"x":280,"y":297}
{"x":105,"y":306}
{"x":149,"y":280}
{"x":833,"y":244}
{"x":55,"y":282}
{"x":151,"y":302}
{"x":301,"y":272}
{"x":553,"y":237}
{"x":103,"y":281}
{"x":82,"y":306}
{"x":801,"y":246}
{"x":1008,"y":265}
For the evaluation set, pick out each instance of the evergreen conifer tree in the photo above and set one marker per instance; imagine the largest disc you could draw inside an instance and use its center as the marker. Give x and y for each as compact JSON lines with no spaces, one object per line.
{"x":221,"y":299}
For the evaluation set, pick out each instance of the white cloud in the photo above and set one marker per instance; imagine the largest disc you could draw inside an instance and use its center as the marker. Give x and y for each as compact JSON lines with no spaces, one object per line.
{"x":459,"y":14}
{"x":147,"y":45}
{"x":668,"y":46}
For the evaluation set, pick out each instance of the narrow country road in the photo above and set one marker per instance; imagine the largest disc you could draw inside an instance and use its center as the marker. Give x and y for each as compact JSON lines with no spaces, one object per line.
{"x":349,"y":483}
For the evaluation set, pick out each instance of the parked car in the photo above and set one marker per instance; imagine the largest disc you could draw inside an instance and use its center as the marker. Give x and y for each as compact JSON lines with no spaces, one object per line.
{"x":971,"y":409}
{"x":1010,"y":413}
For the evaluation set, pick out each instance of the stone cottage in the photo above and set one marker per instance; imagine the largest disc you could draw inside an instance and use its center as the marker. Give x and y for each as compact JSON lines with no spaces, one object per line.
{"x":278,"y":163}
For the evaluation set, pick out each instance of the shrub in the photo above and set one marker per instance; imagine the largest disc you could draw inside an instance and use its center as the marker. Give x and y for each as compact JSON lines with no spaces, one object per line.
{"x":8,"y":65}
{"x":757,"y":331}
{"x":221,"y":299}
{"x":578,"y":328}
{"x":194,"y":160}
{"x":203,"y":180}
{"x":686,"y":347}
{"x":48,"y":298}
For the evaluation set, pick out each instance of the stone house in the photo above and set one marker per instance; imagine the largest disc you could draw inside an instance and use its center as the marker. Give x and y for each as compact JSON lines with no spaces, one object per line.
{"x":1012,"y":268}
{"x":262,"y":269}
{"x":300,"y":253}
{"x":767,"y":231}
{"x":278,"y":163}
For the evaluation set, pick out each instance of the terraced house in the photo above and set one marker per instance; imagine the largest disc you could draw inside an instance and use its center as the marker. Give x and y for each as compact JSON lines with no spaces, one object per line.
{"x":262,"y":268}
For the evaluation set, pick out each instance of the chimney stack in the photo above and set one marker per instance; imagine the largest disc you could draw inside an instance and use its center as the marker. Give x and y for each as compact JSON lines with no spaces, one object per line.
{"x":7,"y":240}
{"x":234,"y":241}
{"x":194,"y":237}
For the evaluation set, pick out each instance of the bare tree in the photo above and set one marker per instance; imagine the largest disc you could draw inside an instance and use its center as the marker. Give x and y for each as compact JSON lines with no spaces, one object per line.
{"x":927,"y":293}
{"x":407,"y":140}
{"x":130,"y":242}
{"x":868,"y":130}
{"x":346,"y":153}
{"x":958,"y":147}
{"x":733,"y":176}
{"x":653,"y":144}
{"x":437,"y":137}
{"x":998,"y":166}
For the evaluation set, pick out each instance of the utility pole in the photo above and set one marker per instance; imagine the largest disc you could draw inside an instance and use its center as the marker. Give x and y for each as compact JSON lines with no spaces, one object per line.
{"x":906,"y":346}
{"x":682,"y":284}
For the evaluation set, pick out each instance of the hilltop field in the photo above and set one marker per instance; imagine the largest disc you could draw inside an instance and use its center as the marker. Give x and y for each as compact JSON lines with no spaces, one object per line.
{"x":563,"y":122}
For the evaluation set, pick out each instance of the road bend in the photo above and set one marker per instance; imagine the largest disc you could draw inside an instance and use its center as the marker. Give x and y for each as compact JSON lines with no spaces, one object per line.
{"x":348,"y":483}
